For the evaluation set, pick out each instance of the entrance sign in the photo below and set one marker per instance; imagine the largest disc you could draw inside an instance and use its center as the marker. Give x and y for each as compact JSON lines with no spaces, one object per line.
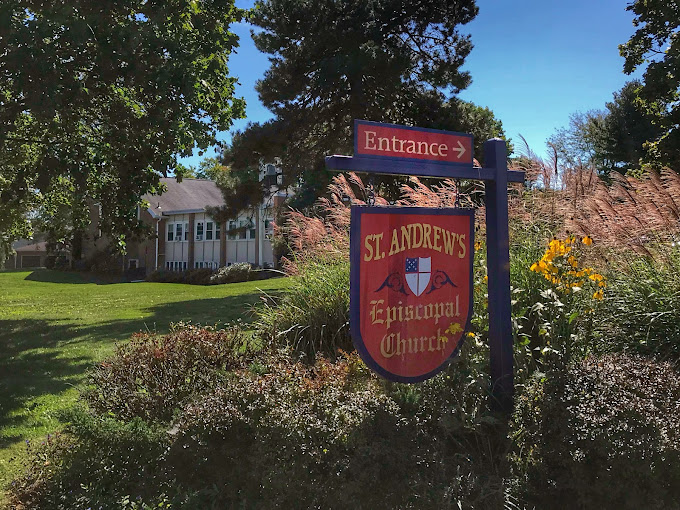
{"x":390,"y":141}
{"x":414,"y":271}
{"x":401,"y":150}
{"x":410,"y":287}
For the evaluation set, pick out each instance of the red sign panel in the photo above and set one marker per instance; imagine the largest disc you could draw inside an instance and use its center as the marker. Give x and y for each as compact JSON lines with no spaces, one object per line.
{"x":411,"y":287}
{"x":403,"y":142}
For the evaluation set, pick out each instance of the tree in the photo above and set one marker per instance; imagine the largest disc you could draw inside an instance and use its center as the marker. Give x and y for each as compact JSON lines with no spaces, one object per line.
{"x":211,"y":168}
{"x":107,"y":96}
{"x":334,"y":61}
{"x":578,"y":145}
{"x":627,"y":129}
{"x":611,"y":140}
{"x":656,"y":45}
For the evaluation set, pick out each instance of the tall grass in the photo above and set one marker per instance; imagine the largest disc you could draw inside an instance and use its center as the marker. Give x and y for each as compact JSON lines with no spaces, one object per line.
{"x":313,"y":316}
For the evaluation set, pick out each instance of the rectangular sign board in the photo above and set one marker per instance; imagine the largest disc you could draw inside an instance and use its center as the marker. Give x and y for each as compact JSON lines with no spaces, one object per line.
{"x":410,"y":287}
{"x":391,"y":141}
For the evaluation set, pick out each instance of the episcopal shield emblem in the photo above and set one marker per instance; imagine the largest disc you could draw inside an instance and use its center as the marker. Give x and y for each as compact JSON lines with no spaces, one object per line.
{"x":411,"y":287}
{"x":418,"y":274}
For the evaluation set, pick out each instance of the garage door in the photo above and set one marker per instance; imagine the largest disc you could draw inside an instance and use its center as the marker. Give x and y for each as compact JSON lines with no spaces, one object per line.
{"x":30,"y":261}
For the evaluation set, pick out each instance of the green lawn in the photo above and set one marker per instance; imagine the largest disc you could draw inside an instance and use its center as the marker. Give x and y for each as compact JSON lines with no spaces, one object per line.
{"x":54,"y":325}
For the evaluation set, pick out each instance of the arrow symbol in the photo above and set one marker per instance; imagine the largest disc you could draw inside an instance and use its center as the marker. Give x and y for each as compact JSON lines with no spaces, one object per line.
{"x":460,"y":149}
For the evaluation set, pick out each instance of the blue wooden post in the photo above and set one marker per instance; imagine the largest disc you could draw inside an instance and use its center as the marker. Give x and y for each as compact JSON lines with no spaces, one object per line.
{"x":498,"y":265}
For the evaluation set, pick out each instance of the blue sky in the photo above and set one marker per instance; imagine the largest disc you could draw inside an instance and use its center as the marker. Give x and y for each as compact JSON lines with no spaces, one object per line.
{"x":533,"y":63}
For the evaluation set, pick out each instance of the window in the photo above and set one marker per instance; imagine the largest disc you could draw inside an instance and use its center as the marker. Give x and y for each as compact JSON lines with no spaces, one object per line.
{"x":176,"y":265}
{"x":232,"y":227}
{"x":171,"y":231}
{"x":208,"y":230}
{"x":268,"y":229}
{"x":242,"y":234}
{"x":186,"y":233}
{"x":178,"y":231}
{"x":199,"y":231}
{"x":253,"y":231}
{"x":132,"y":264}
{"x":218,"y":227}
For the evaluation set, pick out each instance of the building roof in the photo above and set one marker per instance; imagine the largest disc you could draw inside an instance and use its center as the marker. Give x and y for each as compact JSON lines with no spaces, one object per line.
{"x":190,"y":195}
{"x":32,"y":247}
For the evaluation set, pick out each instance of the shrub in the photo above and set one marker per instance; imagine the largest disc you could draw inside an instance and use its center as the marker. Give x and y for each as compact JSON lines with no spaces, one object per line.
{"x":333,"y":435}
{"x":199,"y":276}
{"x":97,"y":463}
{"x":152,"y":375}
{"x":604,"y":433}
{"x":239,"y":272}
{"x":313,"y":315}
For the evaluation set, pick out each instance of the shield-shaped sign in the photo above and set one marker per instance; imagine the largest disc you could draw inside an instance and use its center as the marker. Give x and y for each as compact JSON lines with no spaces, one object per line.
{"x":411,"y":287}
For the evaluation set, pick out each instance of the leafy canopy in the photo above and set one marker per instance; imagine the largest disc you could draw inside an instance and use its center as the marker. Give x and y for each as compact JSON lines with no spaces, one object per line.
{"x":611,"y":140}
{"x":656,"y":44}
{"x":108,"y":95}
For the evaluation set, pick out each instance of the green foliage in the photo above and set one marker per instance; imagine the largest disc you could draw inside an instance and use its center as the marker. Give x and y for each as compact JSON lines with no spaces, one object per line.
{"x":210,"y":168}
{"x":656,"y":46}
{"x":96,"y":464}
{"x":200,"y":276}
{"x":239,"y":272}
{"x":109,"y":97}
{"x":601,"y":434}
{"x":273,"y":432}
{"x":611,"y":140}
{"x":641,"y":311}
{"x":235,"y":273}
{"x":313,"y":316}
{"x":152,"y":375}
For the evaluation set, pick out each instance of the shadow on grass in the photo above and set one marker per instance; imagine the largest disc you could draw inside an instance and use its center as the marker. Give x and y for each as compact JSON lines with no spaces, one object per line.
{"x":50,"y":276}
{"x":36,"y":358}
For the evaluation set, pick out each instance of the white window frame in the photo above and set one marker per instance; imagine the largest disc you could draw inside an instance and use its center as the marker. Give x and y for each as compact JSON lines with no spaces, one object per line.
{"x":170,"y":235}
{"x":209,"y":231}
{"x":218,"y":230}
{"x":233,"y":224}
{"x":178,"y":231}
{"x":243,"y":235}
{"x":201,"y":224}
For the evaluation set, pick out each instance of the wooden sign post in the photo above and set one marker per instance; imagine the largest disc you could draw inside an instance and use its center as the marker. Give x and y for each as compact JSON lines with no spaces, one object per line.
{"x":402,"y":150}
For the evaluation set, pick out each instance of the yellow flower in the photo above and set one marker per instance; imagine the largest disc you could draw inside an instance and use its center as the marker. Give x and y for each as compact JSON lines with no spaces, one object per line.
{"x":534,"y":268}
{"x":454,"y":328}
{"x":486,"y":278}
{"x":478,"y":246}
{"x":470,"y":334}
{"x":599,"y":294}
{"x":587,"y":240}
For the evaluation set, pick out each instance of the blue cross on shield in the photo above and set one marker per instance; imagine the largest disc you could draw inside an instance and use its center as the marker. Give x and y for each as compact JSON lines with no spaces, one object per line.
{"x":418,"y":271}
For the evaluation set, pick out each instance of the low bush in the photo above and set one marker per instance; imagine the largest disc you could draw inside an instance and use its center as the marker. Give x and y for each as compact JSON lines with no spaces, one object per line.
{"x":152,"y":375}
{"x":97,"y":463}
{"x":604,"y":433}
{"x":333,"y":435}
{"x":199,"y":276}
{"x":271,"y":432}
{"x":313,"y":315}
{"x":239,"y":272}
{"x":235,"y":273}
